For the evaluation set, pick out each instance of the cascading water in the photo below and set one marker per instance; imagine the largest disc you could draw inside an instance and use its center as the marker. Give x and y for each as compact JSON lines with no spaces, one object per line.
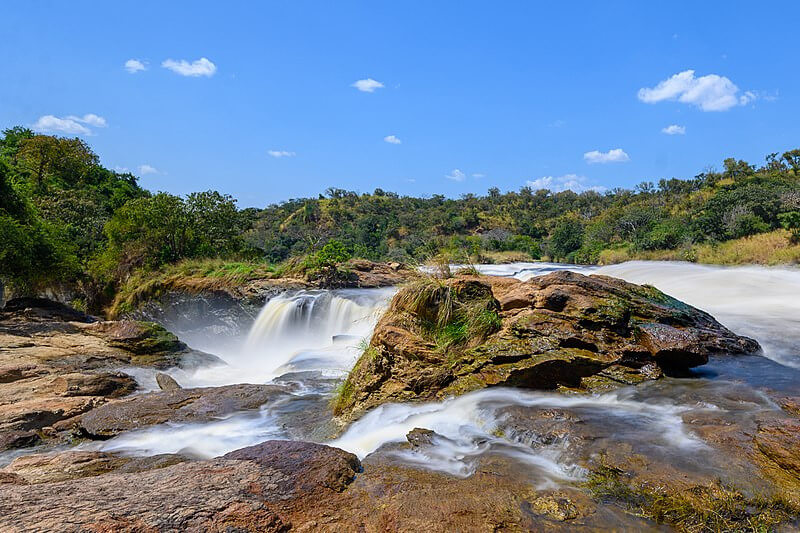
{"x":298,"y":331}
{"x":321,"y":331}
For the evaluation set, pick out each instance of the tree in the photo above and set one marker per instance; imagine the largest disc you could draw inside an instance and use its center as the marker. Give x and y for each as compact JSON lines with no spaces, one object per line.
{"x":46,"y":156}
{"x":566,"y":238}
{"x":791,"y":221}
{"x":216,"y":223}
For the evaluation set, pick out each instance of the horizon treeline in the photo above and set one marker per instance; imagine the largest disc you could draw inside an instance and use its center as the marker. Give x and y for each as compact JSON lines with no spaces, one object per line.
{"x":67,"y":220}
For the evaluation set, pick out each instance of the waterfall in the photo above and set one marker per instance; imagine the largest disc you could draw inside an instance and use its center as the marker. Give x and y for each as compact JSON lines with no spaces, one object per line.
{"x":299,"y":331}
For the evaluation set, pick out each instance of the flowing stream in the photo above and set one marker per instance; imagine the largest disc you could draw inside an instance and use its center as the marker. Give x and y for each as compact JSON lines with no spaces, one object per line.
{"x":312,"y":338}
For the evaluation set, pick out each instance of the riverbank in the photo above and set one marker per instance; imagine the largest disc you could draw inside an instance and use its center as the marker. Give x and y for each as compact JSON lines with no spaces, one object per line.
{"x":768,"y":249}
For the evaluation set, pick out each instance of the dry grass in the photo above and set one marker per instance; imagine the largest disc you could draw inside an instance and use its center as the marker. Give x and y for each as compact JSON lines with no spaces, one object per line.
{"x":444,"y":316}
{"x":709,"y":509}
{"x":499,"y":258}
{"x":190,"y":276}
{"x":771,"y":249}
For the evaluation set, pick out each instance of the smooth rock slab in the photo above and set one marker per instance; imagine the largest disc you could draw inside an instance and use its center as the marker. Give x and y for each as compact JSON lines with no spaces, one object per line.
{"x":179,"y":405}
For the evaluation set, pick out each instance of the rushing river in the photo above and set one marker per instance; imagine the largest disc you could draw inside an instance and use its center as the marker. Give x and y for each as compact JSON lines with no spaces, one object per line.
{"x":310,"y":339}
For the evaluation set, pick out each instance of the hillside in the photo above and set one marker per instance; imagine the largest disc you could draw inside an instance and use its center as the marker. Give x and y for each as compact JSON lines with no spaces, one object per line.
{"x":69,"y":224}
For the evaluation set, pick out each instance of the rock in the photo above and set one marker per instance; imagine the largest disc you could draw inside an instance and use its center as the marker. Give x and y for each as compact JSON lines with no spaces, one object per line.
{"x":108,"y":384}
{"x":47,"y":468}
{"x":11,"y":373}
{"x":11,"y":439}
{"x":57,"y":364}
{"x":179,"y":405}
{"x":260,"y":488}
{"x":44,"y":308}
{"x":418,"y":437}
{"x":166,"y":382}
{"x":137,"y":337}
{"x":371,"y":274}
{"x":559,"y":331}
{"x":323,"y":466}
{"x":39,"y":413}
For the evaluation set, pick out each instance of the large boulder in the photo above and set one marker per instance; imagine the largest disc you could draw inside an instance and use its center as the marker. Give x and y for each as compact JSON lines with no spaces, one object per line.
{"x":254,"y":489}
{"x":561,"y":331}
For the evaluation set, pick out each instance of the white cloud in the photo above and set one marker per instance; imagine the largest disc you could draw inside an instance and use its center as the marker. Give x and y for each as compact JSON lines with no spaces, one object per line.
{"x":281,"y":153}
{"x":710,"y":93}
{"x":478,"y":175}
{"x":617,"y":155}
{"x":674,"y":129}
{"x":200,"y":67}
{"x":71,"y":125}
{"x":456,"y":175}
{"x":121,"y":170}
{"x":392,"y":139}
{"x":747,"y":97}
{"x":134,"y":65}
{"x":368,"y":85}
{"x":571,"y":182}
{"x":147,"y":169}
{"x":90,"y":119}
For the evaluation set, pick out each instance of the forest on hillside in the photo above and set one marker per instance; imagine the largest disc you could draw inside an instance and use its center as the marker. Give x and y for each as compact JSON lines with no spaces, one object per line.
{"x":65,"y":219}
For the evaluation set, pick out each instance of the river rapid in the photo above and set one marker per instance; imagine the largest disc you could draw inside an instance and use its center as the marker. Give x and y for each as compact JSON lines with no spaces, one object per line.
{"x":310,"y":339}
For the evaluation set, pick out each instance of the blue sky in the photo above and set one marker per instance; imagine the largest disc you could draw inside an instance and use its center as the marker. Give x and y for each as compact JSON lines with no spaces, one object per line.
{"x":260,"y":100}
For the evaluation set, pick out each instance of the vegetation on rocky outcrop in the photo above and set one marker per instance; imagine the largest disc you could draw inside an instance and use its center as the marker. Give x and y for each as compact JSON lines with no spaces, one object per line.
{"x":566,"y":331}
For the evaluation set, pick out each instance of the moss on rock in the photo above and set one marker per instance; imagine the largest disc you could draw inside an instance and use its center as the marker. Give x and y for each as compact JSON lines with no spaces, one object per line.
{"x":562,"y":331}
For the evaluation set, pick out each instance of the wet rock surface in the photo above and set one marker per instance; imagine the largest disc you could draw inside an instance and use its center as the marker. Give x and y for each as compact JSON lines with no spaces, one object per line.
{"x":57,"y":364}
{"x":255,"y":489}
{"x":177,"y":405}
{"x":561,"y":331}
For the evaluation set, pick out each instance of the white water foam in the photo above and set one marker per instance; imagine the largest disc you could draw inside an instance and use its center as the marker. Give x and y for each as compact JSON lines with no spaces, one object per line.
{"x":467,"y":426}
{"x":296,"y":331}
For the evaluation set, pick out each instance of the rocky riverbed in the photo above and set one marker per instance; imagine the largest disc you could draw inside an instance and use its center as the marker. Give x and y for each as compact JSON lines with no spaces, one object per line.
{"x":566,"y":402}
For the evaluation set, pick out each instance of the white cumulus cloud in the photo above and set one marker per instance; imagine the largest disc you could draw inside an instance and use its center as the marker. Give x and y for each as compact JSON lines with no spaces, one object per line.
{"x":368,"y":85}
{"x":134,"y":65}
{"x":710,"y":92}
{"x":280,"y":153}
{"x":567,"y":182}
{"x":456,"y":175}
{"x":200,"y":67}
{"x":91,"y":119}
{"x":71,"y":125}
{"x":674,"y":129}
{"x":147,"y":169}
{"x":392,"y":139}
{"x":617,"y":155}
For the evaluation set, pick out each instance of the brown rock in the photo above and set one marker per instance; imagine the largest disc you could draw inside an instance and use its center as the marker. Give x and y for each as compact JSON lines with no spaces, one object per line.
{"x":109,"y":384}
{"x":559,"y":331}
{"x":180,"y":405}
{"x":249,"y":490}
{"x":47,"y":468}
{"x":166,"y":382}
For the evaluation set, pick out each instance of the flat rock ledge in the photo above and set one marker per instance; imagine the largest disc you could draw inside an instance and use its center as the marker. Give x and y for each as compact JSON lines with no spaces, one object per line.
{"x":57,"y":364}
{"x":562,"y":331}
